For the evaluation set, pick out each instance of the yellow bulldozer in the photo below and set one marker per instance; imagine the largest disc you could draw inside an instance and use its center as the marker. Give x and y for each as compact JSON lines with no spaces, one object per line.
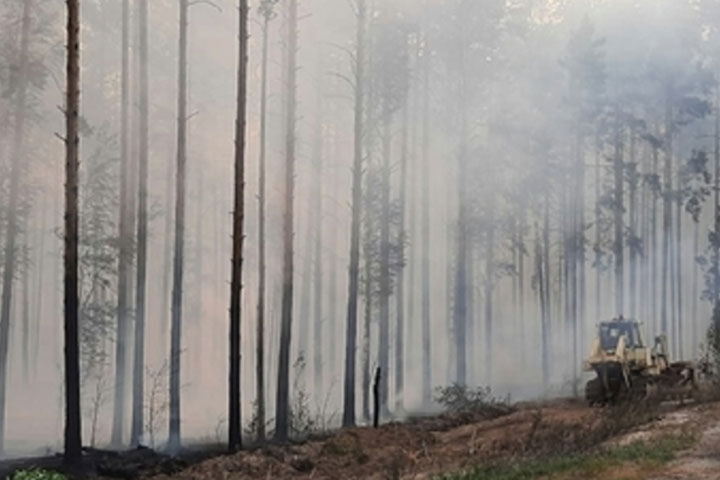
{"x":627,"y":369}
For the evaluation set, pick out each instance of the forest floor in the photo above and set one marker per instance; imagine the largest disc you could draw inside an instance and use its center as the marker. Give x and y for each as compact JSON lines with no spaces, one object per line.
{"x":562,"y":439}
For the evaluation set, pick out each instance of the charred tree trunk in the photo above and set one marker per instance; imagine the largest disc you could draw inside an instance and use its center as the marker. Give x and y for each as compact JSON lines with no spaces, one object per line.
{"x":283,"y":390}
{"x":234,"y":407}
{"x":125,"y":240}
{"x":12,"y":221}
{"x":354,"y":268}
{"x":142,"y":227}
{"x":179,"y":260}
{"x":73,"y":439}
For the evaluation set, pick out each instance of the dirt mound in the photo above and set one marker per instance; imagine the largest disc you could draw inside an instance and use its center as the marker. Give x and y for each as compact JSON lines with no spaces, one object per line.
{"x":416,"y":450}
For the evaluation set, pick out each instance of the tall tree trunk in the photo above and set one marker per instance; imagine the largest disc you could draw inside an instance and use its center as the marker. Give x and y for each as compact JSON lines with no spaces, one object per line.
{"x":73,"y":439}
{"x":12,"y":229}
{"x":546,"y":280}
{"x":142,"y":227}
{"x":367,"y":318}
{"x":679,"y":281}
{"x":461,"y":273}
{"x":695,"y":289}
{"x":598,"y":238}
{"x":354,"y":268}
{"x":633,"y":178}
{"x":489,"y":281}
{"x":318,"y":320}
{"x":125,"y":240}
{"x":540,"y":273}
{"x":385,"y":281}
{"x":179,"y":260}
{"x":168,"y":247}
{"x":26,"y":328}
{"x":667,"y":218}
{"x":654,"y":247}
{"x":260,"y":336}
{"x":400,"y":293}
{"x":716,"y":224}
{"x":39,"y":286}
{"x":234,"y":408}
{"x":282,"y":404}
{"x":618,"y":211}
{"x":425,"y":235}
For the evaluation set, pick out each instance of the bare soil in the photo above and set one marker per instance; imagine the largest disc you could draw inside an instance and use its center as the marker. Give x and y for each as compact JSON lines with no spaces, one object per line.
{"x":423,"y":448}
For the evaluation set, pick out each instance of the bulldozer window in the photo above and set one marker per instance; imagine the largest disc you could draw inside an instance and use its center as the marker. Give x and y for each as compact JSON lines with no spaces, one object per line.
{"x":610,"y":334}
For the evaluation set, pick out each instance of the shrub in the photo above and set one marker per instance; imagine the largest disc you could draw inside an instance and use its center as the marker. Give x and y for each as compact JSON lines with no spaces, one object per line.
{"x":458,"y":398}
{"x":37,"y":474}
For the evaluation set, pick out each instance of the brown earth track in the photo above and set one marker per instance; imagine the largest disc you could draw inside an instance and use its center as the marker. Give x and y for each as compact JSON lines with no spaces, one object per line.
{"x":406,"y":451}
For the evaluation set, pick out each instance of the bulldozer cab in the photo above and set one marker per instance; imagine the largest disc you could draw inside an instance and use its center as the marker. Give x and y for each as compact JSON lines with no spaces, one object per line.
{"x":611,"y":332}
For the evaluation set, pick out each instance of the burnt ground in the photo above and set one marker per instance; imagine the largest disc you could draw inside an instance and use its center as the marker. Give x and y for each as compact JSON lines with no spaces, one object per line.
{"x":422,"y":448}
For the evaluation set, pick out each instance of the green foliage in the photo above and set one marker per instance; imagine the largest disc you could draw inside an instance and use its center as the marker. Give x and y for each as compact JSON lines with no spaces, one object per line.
{"x":98,"y":249}
{"x":37,"y":474}
{"x":583,"y":465}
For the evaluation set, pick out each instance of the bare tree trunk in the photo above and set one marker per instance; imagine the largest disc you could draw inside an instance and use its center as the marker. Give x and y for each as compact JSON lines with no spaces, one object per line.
{"x":544,"y":317}
{"x":12,"y":229}
{"x":367,"y":317}
{"x":667,"y":219}
{"x":618,"y":209}
{"x":425,"y":235}
{"x":598,"y":251}
{"x":716,"y":224}
{"x":40,"y":290}
{"x":235,"y":413}
{"x":461,"y":273}
{"x":260,"y":340}
{"x":73,"y":439}
{"x":283,"y":391}
{"x":679,"y":278}
{"x":26,"y":310}
{"x":168,"y":248}
{"x":354,"y":268}
{"x":125,"y":240}
{"x":654,"y":247}
{"x":178,"y":261}
{"x":633,"y":179}
{"x":142,"y":227}
{"x":695,"y":288}
{"x":400,"y":293}
{"x":318,"y":320}
{"x":489,"y":280}
{"x":385,"y":282}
